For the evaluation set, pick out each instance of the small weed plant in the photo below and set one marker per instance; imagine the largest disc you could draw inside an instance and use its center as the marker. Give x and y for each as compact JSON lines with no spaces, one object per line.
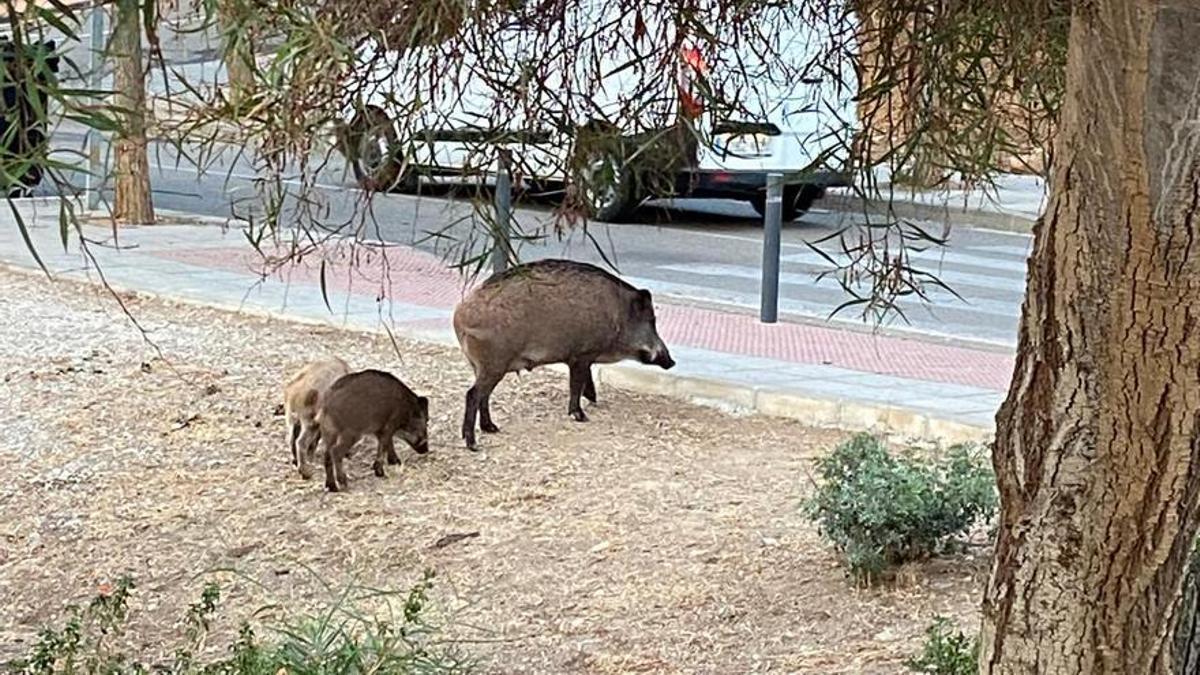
{"x":881,"y":509}
{"x":339,"y":639}
{"x":947,"y":651}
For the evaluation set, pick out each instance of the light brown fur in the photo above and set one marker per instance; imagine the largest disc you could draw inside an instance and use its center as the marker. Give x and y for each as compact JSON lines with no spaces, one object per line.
{"x":302,"y":397}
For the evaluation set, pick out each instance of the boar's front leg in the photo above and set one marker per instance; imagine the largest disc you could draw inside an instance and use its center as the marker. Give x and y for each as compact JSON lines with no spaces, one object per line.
{"x":392,"y":458}
{"x":386,"y":449}
{"x":580,"y":374}
{"x":589,"y":387}
{"x":335,"y":475}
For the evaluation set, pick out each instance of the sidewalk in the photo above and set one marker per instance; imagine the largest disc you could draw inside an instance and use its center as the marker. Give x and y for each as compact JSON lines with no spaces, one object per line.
{"x":819,"y":375}
{"x":1011,"y":203}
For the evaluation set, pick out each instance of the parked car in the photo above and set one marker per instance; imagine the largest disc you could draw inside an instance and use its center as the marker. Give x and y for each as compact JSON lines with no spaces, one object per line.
{"x":667,"y":146}
{"x":24,"y":122}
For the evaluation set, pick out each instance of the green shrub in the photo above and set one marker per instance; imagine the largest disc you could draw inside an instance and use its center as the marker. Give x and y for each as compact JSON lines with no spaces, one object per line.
{"x":339,"y":639}
{"x":880,"y":509}
{"x":947,"y":651}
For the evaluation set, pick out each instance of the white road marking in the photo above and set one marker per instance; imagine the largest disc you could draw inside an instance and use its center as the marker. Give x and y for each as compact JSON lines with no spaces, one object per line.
{"x":1021,"y":252}
{"x":929,"y":257}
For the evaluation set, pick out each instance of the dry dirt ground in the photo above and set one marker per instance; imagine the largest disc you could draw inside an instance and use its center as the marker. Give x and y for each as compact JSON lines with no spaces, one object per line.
{"x":659,"y":537}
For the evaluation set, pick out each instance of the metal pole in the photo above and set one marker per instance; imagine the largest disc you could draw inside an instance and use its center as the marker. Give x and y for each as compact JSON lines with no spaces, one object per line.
{"x":772,"y":226}
{"x":501,"y":244}
{"x":95,"y":139}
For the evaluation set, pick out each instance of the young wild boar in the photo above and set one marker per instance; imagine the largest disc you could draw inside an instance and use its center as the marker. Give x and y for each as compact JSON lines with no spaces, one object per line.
{"x":301,"y":396}
{"x":370,"y":402}
{"x":552,"y":311}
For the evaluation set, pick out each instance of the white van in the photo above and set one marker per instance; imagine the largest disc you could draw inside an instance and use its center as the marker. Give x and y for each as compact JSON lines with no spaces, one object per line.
{"x":441,"y":113}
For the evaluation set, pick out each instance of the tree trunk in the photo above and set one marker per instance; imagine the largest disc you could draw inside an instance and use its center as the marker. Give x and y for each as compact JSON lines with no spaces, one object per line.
{"x":132,"y":203}
{"x":237,"y":51}
{"x":1097,"y":449}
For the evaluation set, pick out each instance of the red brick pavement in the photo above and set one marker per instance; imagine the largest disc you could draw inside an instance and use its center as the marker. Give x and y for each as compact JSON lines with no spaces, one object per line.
{"x":404,"y":274}
{"x":414,"y":277}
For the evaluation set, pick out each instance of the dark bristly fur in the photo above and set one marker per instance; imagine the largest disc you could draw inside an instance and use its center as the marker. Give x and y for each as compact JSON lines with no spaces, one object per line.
{"x":552,"y":311}
{"x":370,"y":402}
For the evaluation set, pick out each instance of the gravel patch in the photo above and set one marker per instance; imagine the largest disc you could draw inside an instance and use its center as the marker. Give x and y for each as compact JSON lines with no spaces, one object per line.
{"x":658,"y":537}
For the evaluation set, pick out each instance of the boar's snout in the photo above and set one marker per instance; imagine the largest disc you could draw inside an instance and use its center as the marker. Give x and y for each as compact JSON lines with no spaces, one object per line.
{"x":657,"y":357}
{"x":422,"y":447}
{"x":643,"y":334}
{"x":664,"y":360}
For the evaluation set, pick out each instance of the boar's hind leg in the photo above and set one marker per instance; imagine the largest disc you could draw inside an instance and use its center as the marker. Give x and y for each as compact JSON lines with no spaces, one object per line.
{"x":486,"y":424}
{"x":310,"y":437}
{"x":589,"y":387}
{"x":476,"y":395}
{"x":293,"y":437}
{"x":580,"y":374}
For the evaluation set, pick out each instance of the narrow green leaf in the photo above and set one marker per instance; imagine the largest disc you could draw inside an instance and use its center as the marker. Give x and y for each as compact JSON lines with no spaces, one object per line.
{"x":325,"y":289}
{"x":65,"y":10}
{"x":63,"y":224}
{"x":25,"y":235}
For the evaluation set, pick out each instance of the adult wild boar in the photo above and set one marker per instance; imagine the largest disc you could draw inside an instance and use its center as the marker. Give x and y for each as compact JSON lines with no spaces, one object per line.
{"x":552,"y":311}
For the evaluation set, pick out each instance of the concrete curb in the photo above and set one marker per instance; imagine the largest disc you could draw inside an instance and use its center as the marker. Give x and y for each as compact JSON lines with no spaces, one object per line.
{"x":918,"y":211}
{"x":842,"y":414}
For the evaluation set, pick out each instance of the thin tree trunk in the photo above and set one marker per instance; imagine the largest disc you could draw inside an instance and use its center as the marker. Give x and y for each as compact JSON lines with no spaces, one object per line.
{"x":238,"y":53}
{"x":1097,"y":449}
{"x":132,"y":202}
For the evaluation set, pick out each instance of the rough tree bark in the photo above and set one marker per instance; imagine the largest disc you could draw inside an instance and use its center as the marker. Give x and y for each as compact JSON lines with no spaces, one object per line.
{"x":1187,"y":622}
{"x":1098,"y":443}
{"x":132,"y":202}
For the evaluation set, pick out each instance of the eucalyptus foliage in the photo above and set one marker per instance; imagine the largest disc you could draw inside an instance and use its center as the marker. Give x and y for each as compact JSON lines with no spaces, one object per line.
{"x":971,"y":82}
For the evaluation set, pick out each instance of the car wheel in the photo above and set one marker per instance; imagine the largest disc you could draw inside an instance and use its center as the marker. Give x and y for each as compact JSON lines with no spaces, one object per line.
{"x":606,"y":183}
{"x":375,"y":155}
{"x":797,"y":199}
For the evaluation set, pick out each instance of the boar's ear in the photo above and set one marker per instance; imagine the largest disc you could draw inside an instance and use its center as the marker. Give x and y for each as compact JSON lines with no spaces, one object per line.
{"x":424,"y":403}
{"x":644,"y":302}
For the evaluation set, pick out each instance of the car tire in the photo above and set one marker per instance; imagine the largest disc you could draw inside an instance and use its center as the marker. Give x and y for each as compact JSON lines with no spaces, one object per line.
{"x":797,"y":200}
{"x":375,"y":155}
{"x":607,"y":184}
